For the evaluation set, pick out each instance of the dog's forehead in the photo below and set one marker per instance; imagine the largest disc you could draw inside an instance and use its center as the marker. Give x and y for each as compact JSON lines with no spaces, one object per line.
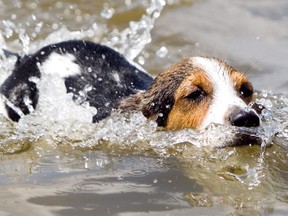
{"x":217,"y":71}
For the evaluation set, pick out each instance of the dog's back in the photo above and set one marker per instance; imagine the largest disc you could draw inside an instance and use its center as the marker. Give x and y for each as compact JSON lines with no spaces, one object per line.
{"x":101,"y":73}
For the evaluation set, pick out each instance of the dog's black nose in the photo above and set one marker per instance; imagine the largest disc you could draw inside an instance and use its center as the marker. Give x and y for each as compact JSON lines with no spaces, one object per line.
{"x":244,"y":118}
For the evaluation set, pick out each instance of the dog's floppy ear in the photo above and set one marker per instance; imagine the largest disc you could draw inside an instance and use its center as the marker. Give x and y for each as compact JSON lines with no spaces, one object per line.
{"x":157,"y":102}
{"x":159,"y":99}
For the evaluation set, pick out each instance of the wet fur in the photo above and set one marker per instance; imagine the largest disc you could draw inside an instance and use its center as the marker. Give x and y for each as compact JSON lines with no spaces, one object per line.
{"x":101,"y":60}
{"x":157,"y":102}
{"x":166,"y":99}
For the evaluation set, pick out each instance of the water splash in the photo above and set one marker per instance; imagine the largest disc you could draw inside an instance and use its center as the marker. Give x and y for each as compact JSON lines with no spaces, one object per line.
{"x":274,"y":123}
{"x":9,"y":29}
{"x":127,"y":131}
{"x":129,"y":42}
{"x":132,"y":40}
{"x":136,"y":130}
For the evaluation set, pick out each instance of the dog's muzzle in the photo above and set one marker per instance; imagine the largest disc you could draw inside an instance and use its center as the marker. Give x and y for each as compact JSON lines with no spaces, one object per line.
{"x":244,"y":117}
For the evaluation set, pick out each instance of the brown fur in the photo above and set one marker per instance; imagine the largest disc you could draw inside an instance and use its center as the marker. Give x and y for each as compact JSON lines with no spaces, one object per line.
{"x":157,"y":102}
{"x":166,"y":100}
{"x":186,"y":113}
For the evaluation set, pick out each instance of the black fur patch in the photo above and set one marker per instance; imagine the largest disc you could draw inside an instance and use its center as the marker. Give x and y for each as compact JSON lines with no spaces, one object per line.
{"x":99,"y":67}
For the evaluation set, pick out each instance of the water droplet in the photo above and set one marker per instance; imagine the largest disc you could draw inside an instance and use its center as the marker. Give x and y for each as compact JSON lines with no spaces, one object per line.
{"x":9,"y":26}
{"x":55,"y":26}
{"x":89,"y":69}
{"x":141,"y":60}
{"x":13,"y":16}
{"x":34,"y":17}
{"x":38,"y":27}
{"x":88,"y":88}
{"x":120,"y":177}
{"x":128,"y":2}
{"x":107,"y":12}
{"x":162,"y":52}
{"x":264,"y":93}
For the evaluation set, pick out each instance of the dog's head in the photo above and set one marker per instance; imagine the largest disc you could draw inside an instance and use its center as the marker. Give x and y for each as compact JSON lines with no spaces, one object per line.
{"x":196,"y":92}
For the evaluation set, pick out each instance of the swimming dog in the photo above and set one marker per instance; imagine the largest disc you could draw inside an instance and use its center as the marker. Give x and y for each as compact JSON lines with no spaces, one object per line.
{"x":192,"y":93}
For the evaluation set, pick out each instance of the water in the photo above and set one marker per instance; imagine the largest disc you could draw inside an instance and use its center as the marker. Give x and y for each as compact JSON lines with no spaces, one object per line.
{"x":61,"y":165}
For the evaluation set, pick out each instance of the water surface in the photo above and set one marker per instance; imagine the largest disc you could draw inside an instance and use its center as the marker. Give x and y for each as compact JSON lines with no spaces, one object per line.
{"x":126,"y":166}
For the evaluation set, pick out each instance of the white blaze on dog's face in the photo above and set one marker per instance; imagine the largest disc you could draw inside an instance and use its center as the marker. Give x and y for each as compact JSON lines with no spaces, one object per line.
{"x":212,"y":92}
{"x":226,"y":96}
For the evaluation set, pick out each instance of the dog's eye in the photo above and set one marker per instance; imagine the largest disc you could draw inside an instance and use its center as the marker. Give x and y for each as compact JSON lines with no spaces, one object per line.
{"x":196,"y":95}
{"x":246,"y":90}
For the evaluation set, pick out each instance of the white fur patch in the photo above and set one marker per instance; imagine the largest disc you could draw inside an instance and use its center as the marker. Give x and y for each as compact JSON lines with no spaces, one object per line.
{"x":224,"y":94}
{"x":62,"y":65}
